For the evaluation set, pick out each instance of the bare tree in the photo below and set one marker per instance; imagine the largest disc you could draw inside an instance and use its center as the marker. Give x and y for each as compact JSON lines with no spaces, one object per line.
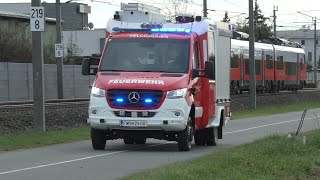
{"x":174,"y":7}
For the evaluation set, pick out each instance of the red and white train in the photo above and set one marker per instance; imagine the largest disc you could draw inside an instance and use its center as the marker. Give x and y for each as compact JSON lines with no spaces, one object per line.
{"x":276,"y":67}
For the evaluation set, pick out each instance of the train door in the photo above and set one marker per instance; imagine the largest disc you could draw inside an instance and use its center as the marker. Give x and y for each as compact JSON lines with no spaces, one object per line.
{"x":263,"y":68}
{"x":242,"y":67}
{"x":298,"y":70}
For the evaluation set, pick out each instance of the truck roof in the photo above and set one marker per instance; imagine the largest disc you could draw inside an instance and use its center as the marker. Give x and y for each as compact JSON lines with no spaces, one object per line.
{"x":197,"y":27}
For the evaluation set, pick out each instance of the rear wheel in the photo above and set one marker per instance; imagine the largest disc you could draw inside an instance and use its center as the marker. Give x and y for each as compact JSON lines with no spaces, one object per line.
{"x":140,"y":140}
{"x":211,"y":136}
{"x":98,"y":138}
{"x":128,"y":140}
{"x":199,"y":138}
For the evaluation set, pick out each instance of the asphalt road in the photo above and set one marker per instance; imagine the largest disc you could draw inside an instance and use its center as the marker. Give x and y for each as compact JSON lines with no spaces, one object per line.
{"x":77,"y":161}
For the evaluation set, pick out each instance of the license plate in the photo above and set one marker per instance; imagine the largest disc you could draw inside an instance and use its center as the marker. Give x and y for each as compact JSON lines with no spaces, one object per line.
{"x":131,"y":123}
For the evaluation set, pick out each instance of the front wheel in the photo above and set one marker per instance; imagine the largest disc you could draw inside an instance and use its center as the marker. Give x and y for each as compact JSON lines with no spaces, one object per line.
{"x":185,"y":139}
{"x":140,"y":140}
{"x":98,"y":138}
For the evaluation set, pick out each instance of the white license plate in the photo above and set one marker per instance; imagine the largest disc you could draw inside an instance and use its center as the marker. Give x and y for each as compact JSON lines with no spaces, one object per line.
{"x":132,"y":123}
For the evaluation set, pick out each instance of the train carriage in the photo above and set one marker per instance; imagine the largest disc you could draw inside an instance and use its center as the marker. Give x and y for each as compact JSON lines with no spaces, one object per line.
{"x":285,"y":72}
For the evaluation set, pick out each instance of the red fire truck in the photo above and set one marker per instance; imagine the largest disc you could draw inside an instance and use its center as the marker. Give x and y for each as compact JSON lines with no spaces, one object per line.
{"x":166,"y":81}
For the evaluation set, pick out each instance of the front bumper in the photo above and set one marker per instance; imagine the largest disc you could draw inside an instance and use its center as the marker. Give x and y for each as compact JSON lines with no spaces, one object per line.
{"x":166,"y":117}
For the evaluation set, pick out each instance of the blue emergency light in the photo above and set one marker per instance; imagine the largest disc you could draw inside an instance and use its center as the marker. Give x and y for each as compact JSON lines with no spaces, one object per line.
{"x":119,"y":100}
{"x":148,"y":100}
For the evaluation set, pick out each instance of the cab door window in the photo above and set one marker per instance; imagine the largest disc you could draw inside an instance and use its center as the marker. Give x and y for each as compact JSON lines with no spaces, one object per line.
{"x":195,"y":58}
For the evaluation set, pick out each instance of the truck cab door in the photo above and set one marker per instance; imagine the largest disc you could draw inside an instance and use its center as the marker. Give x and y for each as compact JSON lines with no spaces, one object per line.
{"x":196,"y":81}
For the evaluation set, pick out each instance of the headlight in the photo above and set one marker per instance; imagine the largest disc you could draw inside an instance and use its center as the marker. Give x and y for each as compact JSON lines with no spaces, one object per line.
{"x":96,"y":92}
{"x":179,"y":93}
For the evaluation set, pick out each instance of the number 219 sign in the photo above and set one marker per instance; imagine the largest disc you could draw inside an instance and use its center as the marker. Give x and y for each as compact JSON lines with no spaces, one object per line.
{"x":37,"y":18}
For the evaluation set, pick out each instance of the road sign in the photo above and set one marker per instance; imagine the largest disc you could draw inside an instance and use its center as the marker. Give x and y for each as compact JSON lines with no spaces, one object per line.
{"x":58,"y":50}
{"x":37,"y":19}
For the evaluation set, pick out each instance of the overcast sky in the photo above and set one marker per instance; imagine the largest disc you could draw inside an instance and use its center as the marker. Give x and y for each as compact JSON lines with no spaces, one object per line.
{"x":287,"y":14}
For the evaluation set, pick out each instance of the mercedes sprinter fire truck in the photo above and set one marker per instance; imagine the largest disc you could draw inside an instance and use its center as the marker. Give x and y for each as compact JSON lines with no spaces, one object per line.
{"x":168,"y":81}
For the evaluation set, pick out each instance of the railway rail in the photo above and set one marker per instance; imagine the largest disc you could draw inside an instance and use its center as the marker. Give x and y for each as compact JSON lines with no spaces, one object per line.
{"x":247,"y":94}
{"x":23,"y":105}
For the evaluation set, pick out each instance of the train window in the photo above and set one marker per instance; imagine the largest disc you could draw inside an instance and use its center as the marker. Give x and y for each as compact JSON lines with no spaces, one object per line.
{"x":258,"y":67}
{"x":234,"y":60}
{"x":301,"y":66}
{"x":280,"y":63}
{"x":291,"y":68}
{"x":269,"y":61}
{"x":303,"y":42}
{"x":246,"y":64}
{"x":302,"y":61}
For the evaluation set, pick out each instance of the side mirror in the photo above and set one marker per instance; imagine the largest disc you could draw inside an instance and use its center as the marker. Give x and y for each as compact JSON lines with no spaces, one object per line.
{"x":195,"y":73}
{"x":86,"y":67}
{"x":209,"y":70}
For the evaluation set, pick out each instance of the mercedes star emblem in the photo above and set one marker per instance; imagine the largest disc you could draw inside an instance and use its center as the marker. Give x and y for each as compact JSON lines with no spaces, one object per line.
{"x":134,"y":97}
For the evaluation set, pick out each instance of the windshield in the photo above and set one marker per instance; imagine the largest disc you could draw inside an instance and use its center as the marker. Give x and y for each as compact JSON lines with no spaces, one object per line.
{"x":146,"y":55}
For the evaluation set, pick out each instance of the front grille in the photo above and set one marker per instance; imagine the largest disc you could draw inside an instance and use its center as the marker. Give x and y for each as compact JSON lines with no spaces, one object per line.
{"x":154,"y":95}
{"x":126,"y":114}
{"x":136,"y":113}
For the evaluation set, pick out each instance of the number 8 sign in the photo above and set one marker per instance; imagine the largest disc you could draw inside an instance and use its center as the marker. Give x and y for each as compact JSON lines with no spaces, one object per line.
{"x":37,"y":19}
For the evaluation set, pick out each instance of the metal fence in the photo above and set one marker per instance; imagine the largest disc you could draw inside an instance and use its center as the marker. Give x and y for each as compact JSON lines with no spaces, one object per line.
{"x":16,"y":82}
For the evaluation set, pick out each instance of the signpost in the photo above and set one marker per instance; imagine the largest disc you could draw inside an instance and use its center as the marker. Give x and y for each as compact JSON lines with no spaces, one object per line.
{"x":58,"y":50}
{"x":37,"y":25}
{"x":37,"y":20}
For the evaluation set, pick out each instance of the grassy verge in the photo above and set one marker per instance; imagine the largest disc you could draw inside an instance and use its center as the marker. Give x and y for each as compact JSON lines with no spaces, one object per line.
{"x":31,"y":139}
{"x":275,"y":157}
{"x":36,"y":139}
{"x":275,"y":110}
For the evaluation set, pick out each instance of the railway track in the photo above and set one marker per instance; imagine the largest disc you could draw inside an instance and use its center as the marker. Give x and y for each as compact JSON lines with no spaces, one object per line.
{"x":69,"y":103}
{"x":27,"y":105}
{"x":246,"y":94}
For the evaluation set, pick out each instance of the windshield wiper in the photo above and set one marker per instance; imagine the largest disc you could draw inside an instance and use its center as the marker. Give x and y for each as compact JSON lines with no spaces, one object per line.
{"x":113,"y":70}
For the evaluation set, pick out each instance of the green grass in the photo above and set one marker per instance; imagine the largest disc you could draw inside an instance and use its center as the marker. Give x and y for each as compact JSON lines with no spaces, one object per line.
{"x":275,"y":157}
{"x":275,"y":110}
{"x":35,"y":139}
{"x":32,"y":139}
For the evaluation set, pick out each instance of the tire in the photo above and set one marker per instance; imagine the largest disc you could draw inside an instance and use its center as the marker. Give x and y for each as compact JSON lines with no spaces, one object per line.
{"x":140,"y":140}
{"x":199,"y":138}
{"x":128,"y":140}
{"x":98,"y":139}
{"x":211,"y":136}
{"x":185,"y":139}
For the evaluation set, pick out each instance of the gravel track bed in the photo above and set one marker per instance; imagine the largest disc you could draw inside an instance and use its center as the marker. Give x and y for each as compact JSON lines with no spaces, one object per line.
{"x":56,"y":118}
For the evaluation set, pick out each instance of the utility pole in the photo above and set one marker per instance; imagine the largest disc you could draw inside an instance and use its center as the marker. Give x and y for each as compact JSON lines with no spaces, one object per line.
{"x":315,"y":52}
{"x":37,"y":21}
{"x":205,"y":8}
{"x":252,"y":58}
{"x":315,"y":48}
{"x":59,"y":59}
{"x":275,"y":8}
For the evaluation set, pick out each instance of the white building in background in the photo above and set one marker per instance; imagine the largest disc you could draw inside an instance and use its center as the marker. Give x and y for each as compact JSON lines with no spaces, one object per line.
{"x":88,"y":41}
{"x":305,"y":37}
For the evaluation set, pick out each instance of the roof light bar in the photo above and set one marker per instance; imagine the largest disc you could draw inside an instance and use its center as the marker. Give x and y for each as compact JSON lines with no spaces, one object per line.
{"x":164,"y":30}
{"x":172,"y":30}
{"x":129,"y":29}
